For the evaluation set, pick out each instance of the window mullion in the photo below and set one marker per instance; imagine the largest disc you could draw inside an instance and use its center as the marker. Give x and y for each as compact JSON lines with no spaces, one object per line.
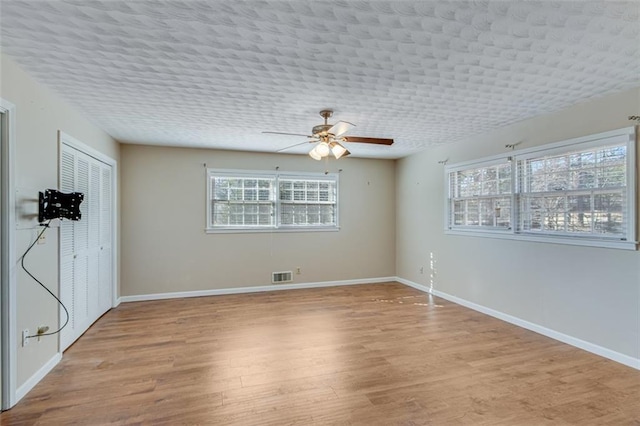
{"x":275,"y":193}
{"x":566,"y":212}
{"x":592,"y":202}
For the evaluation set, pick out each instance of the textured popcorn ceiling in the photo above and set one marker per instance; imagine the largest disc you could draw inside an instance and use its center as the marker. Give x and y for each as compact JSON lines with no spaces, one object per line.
{"x":217,"y":73}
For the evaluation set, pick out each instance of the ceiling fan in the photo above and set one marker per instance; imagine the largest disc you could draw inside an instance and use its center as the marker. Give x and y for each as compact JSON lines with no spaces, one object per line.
{"x":329,"y":138}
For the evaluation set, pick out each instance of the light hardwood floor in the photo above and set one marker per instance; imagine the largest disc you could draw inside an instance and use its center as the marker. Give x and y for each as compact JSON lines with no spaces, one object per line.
{"x":366,"y":354}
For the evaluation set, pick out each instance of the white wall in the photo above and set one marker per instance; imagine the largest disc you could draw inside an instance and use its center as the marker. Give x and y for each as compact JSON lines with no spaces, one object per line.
{"x":165,"y":248}
{"x":39,"y":116}
{"x":592,"y":294}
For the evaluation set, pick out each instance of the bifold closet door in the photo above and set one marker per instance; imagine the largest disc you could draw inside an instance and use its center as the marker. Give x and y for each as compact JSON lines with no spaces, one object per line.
{"x":85,"y":245}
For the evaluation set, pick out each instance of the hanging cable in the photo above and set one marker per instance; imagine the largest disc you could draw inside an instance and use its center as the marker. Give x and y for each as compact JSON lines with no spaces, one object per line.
{"x":66,"y":312}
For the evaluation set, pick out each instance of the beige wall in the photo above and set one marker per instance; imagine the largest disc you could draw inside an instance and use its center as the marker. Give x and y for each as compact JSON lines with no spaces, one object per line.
{"x":165,"y":248}
{"x":39,"y":116}
{"x":591,"y":294}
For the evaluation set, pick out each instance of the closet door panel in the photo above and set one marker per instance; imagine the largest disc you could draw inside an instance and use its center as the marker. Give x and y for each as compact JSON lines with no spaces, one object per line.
{"x":106,"y":235}
{"x":93,"y":208}
{"x":81,"y":245}
{"x":67,"y":240}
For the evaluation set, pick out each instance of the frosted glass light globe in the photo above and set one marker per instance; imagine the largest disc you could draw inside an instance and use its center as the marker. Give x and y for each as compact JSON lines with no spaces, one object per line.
{"x":323,"y":149}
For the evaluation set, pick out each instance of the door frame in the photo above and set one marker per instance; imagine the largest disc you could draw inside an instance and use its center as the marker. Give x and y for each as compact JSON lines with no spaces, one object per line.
{"x":8,"y":356}
{"x":71,"y":142}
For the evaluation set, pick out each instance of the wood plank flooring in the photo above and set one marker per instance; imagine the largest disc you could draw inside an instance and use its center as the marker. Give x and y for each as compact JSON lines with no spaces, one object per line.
{"x":367,"y":354}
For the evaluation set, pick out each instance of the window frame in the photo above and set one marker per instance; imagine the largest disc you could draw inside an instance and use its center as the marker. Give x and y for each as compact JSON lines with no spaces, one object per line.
{"x":277,"y":226}
{"x":626,"y":136}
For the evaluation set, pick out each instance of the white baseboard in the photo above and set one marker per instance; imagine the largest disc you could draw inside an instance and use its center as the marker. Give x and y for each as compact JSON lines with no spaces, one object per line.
{"x":573,"y":341}
{"x":254,"y":289}
{"x":37,"y":376}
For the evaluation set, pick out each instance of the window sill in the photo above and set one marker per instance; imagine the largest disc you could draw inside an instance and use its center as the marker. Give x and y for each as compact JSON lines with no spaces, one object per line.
{"x":270,"y":230}
{"x":549,"y":239}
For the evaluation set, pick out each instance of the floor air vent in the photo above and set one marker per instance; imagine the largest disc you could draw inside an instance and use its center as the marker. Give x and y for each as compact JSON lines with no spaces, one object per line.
{"x":281,"y":277}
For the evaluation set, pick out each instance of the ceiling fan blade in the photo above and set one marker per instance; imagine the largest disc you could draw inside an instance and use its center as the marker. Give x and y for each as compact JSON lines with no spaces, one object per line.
{"x":358,"y":139}
{"x":290,"y":134}
{"x":340,"y":128}
{"x":293,"y":146}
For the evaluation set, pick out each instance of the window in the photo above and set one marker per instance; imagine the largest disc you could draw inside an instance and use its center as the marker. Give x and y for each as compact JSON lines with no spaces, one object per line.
{"x":480,"y":196}
{"x":575,"y":193}
{"x":242,"y":201}
{"x":254,"y":201}
{"x":580,"y":191}
{"x":307,"y":202}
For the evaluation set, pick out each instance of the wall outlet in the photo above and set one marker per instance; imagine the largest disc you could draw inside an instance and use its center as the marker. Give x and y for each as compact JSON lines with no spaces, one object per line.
{"x":422,"y":269}
{"x":298,"y":271}
{"x":42,"y":239}
{"x":25,"y":337}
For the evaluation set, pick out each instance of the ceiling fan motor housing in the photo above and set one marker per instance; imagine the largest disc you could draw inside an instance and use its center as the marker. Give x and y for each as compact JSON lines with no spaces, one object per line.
{"x":321,"y":128}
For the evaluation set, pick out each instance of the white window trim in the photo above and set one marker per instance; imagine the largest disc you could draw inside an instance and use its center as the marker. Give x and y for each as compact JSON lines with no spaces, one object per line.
{"x":8,"y":300}
{"x":277,"y":175}
{"x":625,"y":135}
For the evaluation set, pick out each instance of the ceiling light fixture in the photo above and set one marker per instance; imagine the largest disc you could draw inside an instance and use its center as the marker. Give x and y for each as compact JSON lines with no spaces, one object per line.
{"x":328,"y":145}
{"x":314,"y":154}
{"x":338,"y":150}
{"x":323,"y":149}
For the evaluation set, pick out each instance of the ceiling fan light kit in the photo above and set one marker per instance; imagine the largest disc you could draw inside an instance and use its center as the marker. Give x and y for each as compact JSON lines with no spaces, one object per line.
{"x":314,"y":154}
{"x":328,"y":137}
{"x":339,"y":150}
{"x":323,"y":149}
